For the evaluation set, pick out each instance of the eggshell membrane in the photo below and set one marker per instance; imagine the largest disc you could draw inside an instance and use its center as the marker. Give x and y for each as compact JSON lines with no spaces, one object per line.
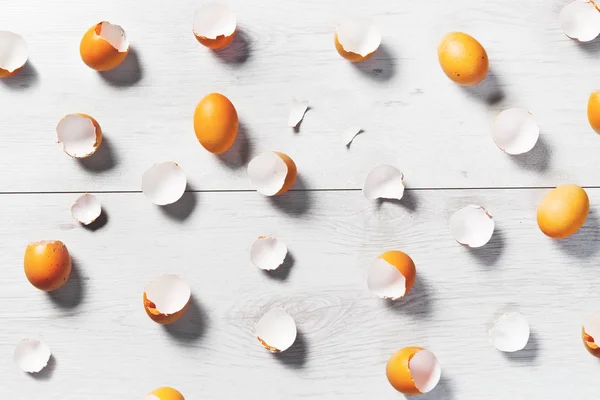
{"x":14,"y":53}
{"x":563,"y":211}
{"x":413,"y":370}
{"x":31,"y":355}
{"x":276,"y":330}
{"x":86,"y":209}
{"x":580,"y":20}
{"x":165,"y":393}
{"x":104,"y":46}
{"x":166,"y":299}
{"x":79,"y":135}
{"x":357,"y":39}
{"x":384,"y":182}
{"x":593,"y":110}
{"x":215,"y":26}
{"x":268,"y":253}
{"x":463,"y":59}
{"x":515,"y":131}
{"x":510,"y":332}
{"x":472,"y":226}
{"x":216,"y":123}
{"x":590,"y":333}
{"x":272,"y":173}
{"x":47,"y":264}
{"x":392,"y":275}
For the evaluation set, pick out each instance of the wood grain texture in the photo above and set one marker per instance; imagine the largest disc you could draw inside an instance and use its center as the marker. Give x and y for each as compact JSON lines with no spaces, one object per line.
{"x":106,"y":347}
{"x":413,"y":116}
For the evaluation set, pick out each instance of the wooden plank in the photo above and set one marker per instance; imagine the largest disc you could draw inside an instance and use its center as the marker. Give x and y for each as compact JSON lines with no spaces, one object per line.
{"x":106,"y":347}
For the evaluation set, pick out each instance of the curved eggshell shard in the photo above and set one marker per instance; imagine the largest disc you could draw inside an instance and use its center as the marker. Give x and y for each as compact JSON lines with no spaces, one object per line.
{"x":472,"y":226}
{"x":164,"y":183}
{"x":215,"y":25}
{"x":580,"y":20}
{"x":515,"y":131}
{"x":86,"y":209}
{"x":357,"y":38}
{"x":392,"y":275}
{"x":510,"y":332}
{"x":268,"y":253}
{"x":590,"y":333}
{"x":14,"y":53}
{"x":104,"y":46}
{"x":79,"y":135}
{"x":276,"y":330}
{"x":384,"y":182}
{"x":166,"y":299}
{"x":31,"y":355}
{"x":413,"y":370}
{"x":272,"y":173}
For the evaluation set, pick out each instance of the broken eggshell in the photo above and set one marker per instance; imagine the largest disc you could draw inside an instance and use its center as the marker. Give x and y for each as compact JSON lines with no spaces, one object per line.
{"x":166,"y":298}
{"x":164,"y":183}
{"x":31,"y":355}
{"x":276,"y":330}
{"x":580,"y":20}
{"x":510,"y":332}
{"x":79,"y":135}
{"x":515,"y":131}
{"x":590,"y":333}
{"x":357,"y":38}
{"x":413,"y":370}
{"x":297,"y":112}
{"x":86,"y":209}
{"x":472,"y":226}
{"x":14,"y":53}
{"x":272,"y":173}
{"x":104,"y":46}
{"x":268,"y":252}
{"x":214,"y":25}
{"x":391,"y":275}
{"x":384,"y":182}
{"x":349,"y":134}
{"x":165,"y":393}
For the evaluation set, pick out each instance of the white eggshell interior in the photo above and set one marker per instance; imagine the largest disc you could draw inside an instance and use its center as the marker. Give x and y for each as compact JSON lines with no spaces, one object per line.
{"x":14,"y":51}
{"x":425,"y":370}
{"x":169,"y":293}
{"x":515,"y":131}
{"x":277,"y":329}
{"x":297,"y":113}
{"x":472,"y":226}
{"x":580,"y":20}
{"x":77,"y":135}
{"x":31,"y":355}
{"x":268,"y":253}
{"x":359,"y":35}
{"x":591,"y":326}
{"x":384,"y":182}
{"x":164,"y":183}
{"x":384,"y":280}
{"x":86,"y":209}
{"x":267,"y":173}
{"x":115,"y":35}
{"x":510,"y":332}
{"x":214,"y":20}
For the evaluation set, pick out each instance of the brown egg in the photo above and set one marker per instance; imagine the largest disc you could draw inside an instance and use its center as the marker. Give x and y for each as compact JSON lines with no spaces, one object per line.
{"x":216,"y":123}
{"x":166,"y":393}
{"x":593,"y":110}
{"x":563,"y":211}
{"x":104,"y":46}
{"x":463,"y":59}
{"x":47,"y":264}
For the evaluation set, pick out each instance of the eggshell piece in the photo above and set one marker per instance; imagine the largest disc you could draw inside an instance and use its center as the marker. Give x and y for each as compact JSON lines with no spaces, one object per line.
{"x":166,"y":298}
{"x":515,"y":131}
{"x":31,"y":355}
{"x":391,"y":275}
{"x":165,"y":393}
{"x":563,"y":211}
{"x":164,"y":183}
{"x":276,"y":330}
{"x":413,"y":370}
{"x":47,"y":264}
{"x":14,"y":53}
{"x":593,"y":110}
{"x":349,"y":134}
{"x":357,"y":38}
{"x":510,"y":332}
{"x":104,"y":46}
{"x":472,"y":226}
{"x":268,"y":253}
{"x":79,"y":135}
{"x":297,"y":112}
{"x":272,"y":173}
{"x":86,"y":209}
{"x":215,"y":25}
{"x":580,"y":20}
{"x":590,"y":333}
{"x":216,"y":123}
{"x":463,"y":59}
{"x":384,"y":182}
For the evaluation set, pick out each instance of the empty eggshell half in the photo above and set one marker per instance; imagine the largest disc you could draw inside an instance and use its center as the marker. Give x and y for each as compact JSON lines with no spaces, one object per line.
{"x":515,"y":131}
{"x":413,"y":370}
{"x":384,"y":182}
{"x":79,"y":135}
{"x":215,"y":25}
{"x":510,"y":332}
{"x":357,"y":38}
{"x":164,"y":183}
{"x":104,"y":46}
{"x":276,"y":330}
{"x":14,"y":53}
{"x":590,"y":333}
{"x":31,"y":355}
{"x":580,"y":20}
{"x":472,"y":226}
{"x":268,"y":252}
{"x":391,"y":275}
{"x":272,"y":173}
{"x":86,"y":209}
{"x":297,"y":113}
{"x":166,"y":298}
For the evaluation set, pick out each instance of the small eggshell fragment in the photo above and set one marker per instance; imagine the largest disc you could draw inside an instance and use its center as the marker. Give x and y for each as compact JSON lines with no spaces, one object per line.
{"x":593,"y":110}
{"x":104,"y":46}
{"x":580,"y":20}
{"x":349,"y":134}
{"x":472,"y":226}
{"x":86,"y":209}
{"x":563,"y":211}
{"x":384,"y":182}
{"x":413,"y":370}
{"x":590,"y":333}
{"x":14,"y":53}
{"x":165,"y":393}
{"x":510,"y":332}
{"x":214,"y":25}
{"x":166,"y":298}
{"x":515,"y":131}
{"x":272,"y":173}
{"x":216,"y":123}
{"x":31,"y":355}
{"x":297,"y":112}
{"x":463,"y":59}
{"x":357,"y":38}
{"x":79,"y":135}
{"x":268,"y":253}
{"x":47,"y":264}
{"x":276,"y":330}
{"x":391,"y":275}
{"x":164,"y":183}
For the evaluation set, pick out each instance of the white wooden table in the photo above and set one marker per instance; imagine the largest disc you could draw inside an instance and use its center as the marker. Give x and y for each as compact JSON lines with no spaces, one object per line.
{"x":104,"y":345}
